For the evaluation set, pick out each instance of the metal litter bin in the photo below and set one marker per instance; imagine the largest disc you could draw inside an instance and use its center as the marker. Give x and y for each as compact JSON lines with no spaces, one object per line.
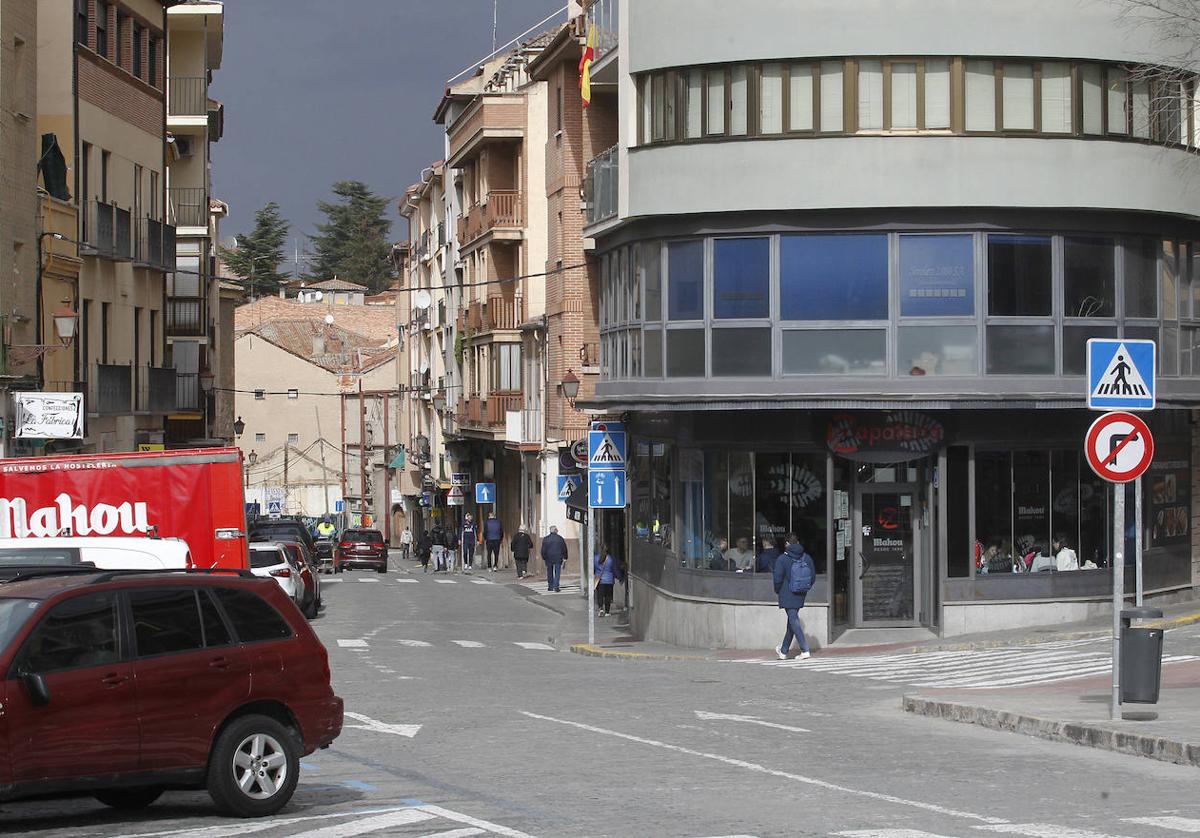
{"x":1141,"y":657}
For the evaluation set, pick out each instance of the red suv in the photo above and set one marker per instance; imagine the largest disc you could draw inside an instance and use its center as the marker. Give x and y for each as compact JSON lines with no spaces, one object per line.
{"x":129,"y":684}
{"x":361,"y":548}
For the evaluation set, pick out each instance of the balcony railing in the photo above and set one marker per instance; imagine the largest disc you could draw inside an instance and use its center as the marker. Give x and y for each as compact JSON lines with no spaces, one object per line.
{"x":604,"y":15}
{"x":531,"y":426}
{"x":154,"y":244}
{"x":186,"y":317}
{"x":474,"y":411}
{"x":106,"y":230}
{"x":187,"y":391}
{"x":475,"y":316}
{"x":111,"y":390}
{"x":499,"y":403}
{"x":187,"y":96}
{"x":156,"y":390}
{"x":504,"y":313}
{"x":500,"y":208}
{"x":600,"y":186}
{"x":189,"y":206}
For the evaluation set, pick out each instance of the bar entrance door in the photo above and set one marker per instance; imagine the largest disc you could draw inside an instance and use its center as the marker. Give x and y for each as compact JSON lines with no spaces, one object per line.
{"x":887,"y":548}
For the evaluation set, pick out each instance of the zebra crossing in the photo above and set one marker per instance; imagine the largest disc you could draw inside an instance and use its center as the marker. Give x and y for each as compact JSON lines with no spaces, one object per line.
{"x":1162,"y":825}
{"x":360,"y":644}
{"x":1013,"y":666}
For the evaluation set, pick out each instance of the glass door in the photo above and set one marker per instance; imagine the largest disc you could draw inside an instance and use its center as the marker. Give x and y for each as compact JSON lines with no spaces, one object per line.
{"x":885,"y":556}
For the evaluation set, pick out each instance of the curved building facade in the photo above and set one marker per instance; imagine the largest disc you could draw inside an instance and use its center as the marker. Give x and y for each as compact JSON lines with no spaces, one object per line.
{"x":856,"y":257}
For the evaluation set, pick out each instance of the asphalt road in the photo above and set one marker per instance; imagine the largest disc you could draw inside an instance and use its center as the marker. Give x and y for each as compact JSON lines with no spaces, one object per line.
{"x":469,"y":721}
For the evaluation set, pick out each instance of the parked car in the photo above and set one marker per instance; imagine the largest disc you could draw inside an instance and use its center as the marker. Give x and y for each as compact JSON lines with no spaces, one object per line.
{"x":125,"y":685}
{"x":323,"y":552}
{"x":272,"y":561}
{"x":361,"y":548}
{"x":107,"y":552}
{"x":282,"y":529}
{"x":310,"y":599}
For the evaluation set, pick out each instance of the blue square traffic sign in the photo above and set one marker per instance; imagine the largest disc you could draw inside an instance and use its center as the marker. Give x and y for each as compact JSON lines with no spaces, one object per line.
{"x":1121,"y":374}
{"x":567,"y":484}
{"x":606,"y":449}
{"x":606,"y":490}
{"x":485,"y":492}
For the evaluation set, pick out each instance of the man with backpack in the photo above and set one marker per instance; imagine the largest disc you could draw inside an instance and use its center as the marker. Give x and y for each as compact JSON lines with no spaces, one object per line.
{"x":794,"y":577}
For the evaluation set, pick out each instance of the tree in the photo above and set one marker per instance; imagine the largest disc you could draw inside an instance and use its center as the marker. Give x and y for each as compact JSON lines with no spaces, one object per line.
{"x":353,"y":243}
{"x":259,"y":254}
{"x":1164,"y":87}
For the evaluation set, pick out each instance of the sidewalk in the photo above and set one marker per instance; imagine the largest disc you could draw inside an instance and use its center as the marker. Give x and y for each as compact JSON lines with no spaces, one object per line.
{"x":1078,"y":712}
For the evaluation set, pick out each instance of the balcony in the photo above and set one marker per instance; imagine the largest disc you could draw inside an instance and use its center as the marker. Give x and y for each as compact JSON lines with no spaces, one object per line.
{"x":500,"y":403}
{"x":156,"y":392}
{"x":503,"y":313}
{"x":188,"y":394}
{"x":154,"y":244}
{"x":490,"y":118}
{"x":474,"y":411}
{"x":501,"y":209}
{"x":187,"y":96}
{"x":532,"y":427}
{"x":111,"y":389}
{"x":186,"y":317}
{"x":107,"y":231}
{"x":605,"y":16}
{"x":475,"y":316}
{"x":188,"y":206}
{"x":600,"y":186}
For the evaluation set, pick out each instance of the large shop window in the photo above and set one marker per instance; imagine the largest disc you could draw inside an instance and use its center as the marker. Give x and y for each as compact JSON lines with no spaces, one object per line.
{"x":838,"y":277}
{"x":1019,"y":276}
{"x":938,"y":350}
{"x":1090,"y":277}
{"x":651,"y":503}
{"x":741,"y":278}
{"x":834,"y":352}
{"x":937,"y":276}
{"x":1038,"y":511}
{"x":736,"y":504}
{"x":685,"y":353}
{"x":1141,"y":278}
{"x":741,"y":352}
{"x":685,"y":280}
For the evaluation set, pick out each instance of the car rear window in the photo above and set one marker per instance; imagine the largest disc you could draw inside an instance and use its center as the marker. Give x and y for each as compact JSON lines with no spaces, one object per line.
{"x":12,"y":556}
{"x":253,"y":618}
{"x":265,"y":558}
{"x":367,"y":536}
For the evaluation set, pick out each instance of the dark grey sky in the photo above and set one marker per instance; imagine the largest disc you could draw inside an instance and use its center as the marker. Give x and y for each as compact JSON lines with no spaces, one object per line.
{"x":318,"y":91}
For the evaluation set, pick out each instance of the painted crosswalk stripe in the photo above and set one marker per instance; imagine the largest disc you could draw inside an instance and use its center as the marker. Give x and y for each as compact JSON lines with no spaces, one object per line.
{"x":407,"y":580}
{"x":358,"y":643}
{"x":468,"y":644}
{"x":414,"y":643}
{"x":1169,"y":822}
{"x":481,"y":582}
{"x":368,"y":579}
{"x":545,"y":646}
{"x":365,"y":825}
{"x":456,"y":833}
{"x":1043,"y":830}
{"x":889,"y":833}
{"x":445,"y":581}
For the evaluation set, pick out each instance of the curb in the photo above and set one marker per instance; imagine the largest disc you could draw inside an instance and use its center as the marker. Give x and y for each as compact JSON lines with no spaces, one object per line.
{"x":533,"y":598}
{"x":597,"y":652}
{"x":1076,"y":733}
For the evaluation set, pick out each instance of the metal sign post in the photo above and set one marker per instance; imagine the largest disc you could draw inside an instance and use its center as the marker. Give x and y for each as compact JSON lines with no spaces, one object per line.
{"x":587,"y":563}
{"x":1118,"y":592}
{"x":1137,"y":538}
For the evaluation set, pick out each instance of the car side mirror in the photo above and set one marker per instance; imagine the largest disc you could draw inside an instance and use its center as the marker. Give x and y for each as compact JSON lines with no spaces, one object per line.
{"x":35,"y":685}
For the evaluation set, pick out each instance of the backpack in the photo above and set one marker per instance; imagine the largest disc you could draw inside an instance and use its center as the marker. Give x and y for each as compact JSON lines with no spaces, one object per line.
{"x":801,"y":575}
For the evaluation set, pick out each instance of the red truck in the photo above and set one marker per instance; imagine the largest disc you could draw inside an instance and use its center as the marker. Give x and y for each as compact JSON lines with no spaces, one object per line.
{"x":195,"y":495}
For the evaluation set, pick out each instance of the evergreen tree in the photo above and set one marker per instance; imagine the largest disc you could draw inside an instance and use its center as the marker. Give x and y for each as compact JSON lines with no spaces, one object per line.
{"x":260,"y":253}
{"x":353,"y":243}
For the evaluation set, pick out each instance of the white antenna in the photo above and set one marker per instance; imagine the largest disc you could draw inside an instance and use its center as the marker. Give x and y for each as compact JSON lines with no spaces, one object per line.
{"x":495,"y":4}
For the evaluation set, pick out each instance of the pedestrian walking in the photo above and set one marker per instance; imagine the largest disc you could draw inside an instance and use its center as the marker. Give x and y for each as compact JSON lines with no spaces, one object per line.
{"x":424,"y":550}
{"x":439,"y":548}
{"x":554,"y":553}
{"x":406,"y":543}
{"x":470,"y":534}
{"x":493,"y":537}
{"x":451,"y":547}
{"x":521,"y":545}
{"x":607,"y":571}
{"x":794,"y":576}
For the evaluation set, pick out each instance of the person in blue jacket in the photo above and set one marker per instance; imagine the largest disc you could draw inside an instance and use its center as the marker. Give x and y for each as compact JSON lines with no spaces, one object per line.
{"x":765,"y":563}
{"x":607,"y":572}
{"x":493,"y":537}
{"x":790,"y":603}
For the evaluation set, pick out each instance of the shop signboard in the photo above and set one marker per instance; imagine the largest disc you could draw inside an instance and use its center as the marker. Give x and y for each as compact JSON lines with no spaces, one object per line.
{"x":579,"y":452}
{"x":48,"y":415}
{"x":891,"y":436}
{"x":460,"y":478}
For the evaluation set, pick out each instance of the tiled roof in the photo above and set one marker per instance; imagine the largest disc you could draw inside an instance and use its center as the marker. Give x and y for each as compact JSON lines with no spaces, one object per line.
{"x":328,"y":346}
{"x":336,"y":284}
{"x":376,"y":325}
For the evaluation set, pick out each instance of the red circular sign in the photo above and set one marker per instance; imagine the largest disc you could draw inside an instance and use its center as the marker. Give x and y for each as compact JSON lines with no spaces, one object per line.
{"x":1119,"y":447}
{"x":579,"y":451}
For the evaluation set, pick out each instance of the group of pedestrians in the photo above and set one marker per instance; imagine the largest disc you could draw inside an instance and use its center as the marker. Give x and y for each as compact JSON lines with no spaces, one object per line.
{"x":444,"y":546}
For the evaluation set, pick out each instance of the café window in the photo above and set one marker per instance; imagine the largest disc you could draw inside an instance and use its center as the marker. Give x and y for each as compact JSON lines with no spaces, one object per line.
{"x":833,"y":277}
{"x":741,"y":278}
{"x":651,"y":502}
{"x":685,"y":280}
{"x":937,"y":276}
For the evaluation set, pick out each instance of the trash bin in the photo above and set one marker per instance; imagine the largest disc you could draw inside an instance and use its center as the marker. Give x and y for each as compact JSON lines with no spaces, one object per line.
{"x":1141,"y":657}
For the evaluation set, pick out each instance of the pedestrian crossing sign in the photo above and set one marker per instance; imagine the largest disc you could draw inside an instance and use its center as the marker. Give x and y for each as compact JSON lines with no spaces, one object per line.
{"x":606,"y":449}
{"x":1121,"y":374}
{"x":567,"y":484}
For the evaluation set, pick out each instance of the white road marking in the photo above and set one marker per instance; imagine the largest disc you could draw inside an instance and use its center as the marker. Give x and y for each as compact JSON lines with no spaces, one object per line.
{"x":414,"y":643}
{"x":1169,"y":822}
{"x":1044,"y":830}
{"x":367,"y":579}
{"x":381,"y":727}
{"x":543,"y":646}
{"x":408,"y":580}
{"x":481,"y":582}
{"x":733,"y":717}
{"x":352,"y":644}
{"x":231,"y":829}
{"x":456,"y":833}
{"x":365,"y":825}
{"x":888,"y":833}
{"x":445,"y":581}
{"x":762,"y":769}
{"x":478,"y":823}
{"x":331,"y":581}
{"x":468,"y":644}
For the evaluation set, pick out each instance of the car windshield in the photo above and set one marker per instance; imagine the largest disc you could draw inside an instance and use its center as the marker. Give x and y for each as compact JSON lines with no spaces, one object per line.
{"x":14,"y":613}
{"x":11,"y":556}
{"x":368,"y":536}
{"x":265,"y":558}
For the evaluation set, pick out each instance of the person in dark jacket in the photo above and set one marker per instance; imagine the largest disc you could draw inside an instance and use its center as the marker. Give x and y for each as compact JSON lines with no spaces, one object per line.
{"x":424,"y":549}
{"x":493,"y":537}
{"x":554,"y":553}
{"x":765,"y":563}
{"x":608,"y":572}
{"x":790,"y":603}
{"x":521,"y":545}
{"x":470,"y":535}
{"x":439,"y":548}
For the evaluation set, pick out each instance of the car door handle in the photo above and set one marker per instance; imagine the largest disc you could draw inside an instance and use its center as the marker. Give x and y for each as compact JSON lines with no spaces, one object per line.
{"x":219,"y":663}
{"x":114,"y":680}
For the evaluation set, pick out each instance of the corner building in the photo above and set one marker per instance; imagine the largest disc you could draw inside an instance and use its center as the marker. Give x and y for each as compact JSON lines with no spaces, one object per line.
{"x":856,"y":253}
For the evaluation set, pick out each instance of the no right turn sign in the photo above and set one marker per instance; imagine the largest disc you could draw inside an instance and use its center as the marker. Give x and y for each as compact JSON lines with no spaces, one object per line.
{"x":1119,"y":447}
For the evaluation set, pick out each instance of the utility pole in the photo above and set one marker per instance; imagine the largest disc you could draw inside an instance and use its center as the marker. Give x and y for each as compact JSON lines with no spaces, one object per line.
{"x":343,"y":404}
{"x":324,"y":473}
{"x":287,"y":447}
{"x":387,"y":477}
{"x":362,"y":451}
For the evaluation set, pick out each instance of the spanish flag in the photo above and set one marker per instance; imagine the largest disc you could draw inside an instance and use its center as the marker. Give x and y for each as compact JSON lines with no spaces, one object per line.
{"x":585,"y":67}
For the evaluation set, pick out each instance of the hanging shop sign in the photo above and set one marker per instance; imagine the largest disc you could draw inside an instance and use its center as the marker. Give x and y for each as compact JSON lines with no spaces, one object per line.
{"x":892,"y":436}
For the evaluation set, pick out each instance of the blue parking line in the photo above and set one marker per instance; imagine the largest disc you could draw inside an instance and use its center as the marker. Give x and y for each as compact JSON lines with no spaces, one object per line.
{"x":358,"y":785}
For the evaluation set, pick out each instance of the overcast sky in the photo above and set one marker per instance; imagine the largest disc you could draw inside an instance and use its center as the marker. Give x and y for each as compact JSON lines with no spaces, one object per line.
{"x":318,"y":91}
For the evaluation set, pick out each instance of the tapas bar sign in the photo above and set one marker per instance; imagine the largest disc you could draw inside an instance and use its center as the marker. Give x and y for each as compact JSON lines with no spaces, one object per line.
{"x":892,"y":436}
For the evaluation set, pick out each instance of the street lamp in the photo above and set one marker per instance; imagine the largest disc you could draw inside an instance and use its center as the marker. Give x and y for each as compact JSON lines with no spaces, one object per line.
{"x":252,"y":457}
{"x":206,"y":381}
{"x":570,"y":386}
{"x":439,"y":401}
{"x":238,"y":427}
{"x":65,"y":321}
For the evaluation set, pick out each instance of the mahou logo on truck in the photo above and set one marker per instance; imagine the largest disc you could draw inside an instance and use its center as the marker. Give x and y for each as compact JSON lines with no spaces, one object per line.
{"x":66,"y":517}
